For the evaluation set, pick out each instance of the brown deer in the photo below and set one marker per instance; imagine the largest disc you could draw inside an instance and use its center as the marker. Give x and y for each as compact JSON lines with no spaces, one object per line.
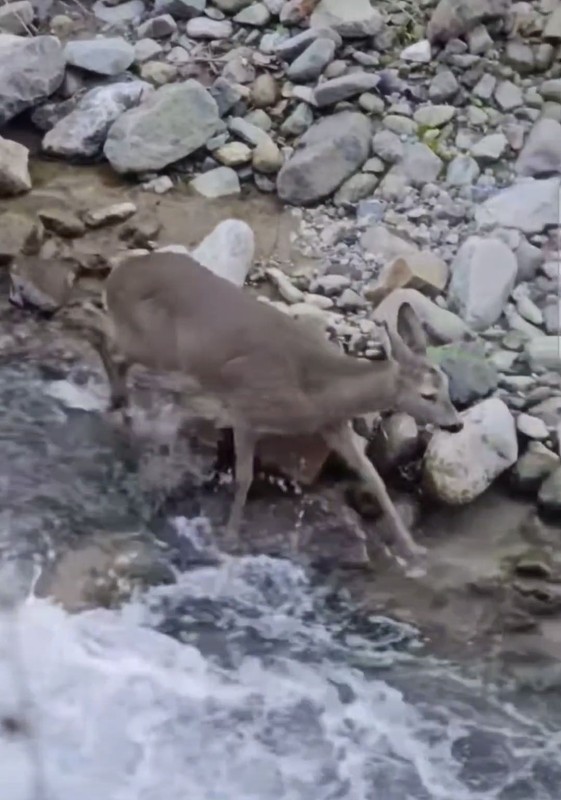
{"x":270,"y":373}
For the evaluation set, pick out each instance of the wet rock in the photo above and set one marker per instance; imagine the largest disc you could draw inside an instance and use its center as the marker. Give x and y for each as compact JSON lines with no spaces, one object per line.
{"x":454,"y":18}
{"x":40,"y":283}
{"x":219,"y":182}
{"x":462,"y":171}
{"x":267,"y":158}
{"x":103,"y":56}
{"x":82,"y":133}
{"x":174,"y":122}
{"x":265,"y":91}
{"x":18,"y":234}
{"x":332,"y":150}
{"x":353,"y":18}
{"x":549,"y":495}
{"x":63,"y":223}
{"x":483,"y":275}
{"x":530,"y":206}
{"x":541,"y":154}
{"x":459,"y":467}
{"x":30,"y":71}
{"x":311,"y":63}
{"x":109,"y":215}
{"x":205,"y":28}
{"x":228,"y":250}
{"x":14,"y":168}
{"x":333,"y":91}
{"x":16,"y":17}
{"x":471,"y":375}
{"x":157,"y":27}
{"x":533,"y":467}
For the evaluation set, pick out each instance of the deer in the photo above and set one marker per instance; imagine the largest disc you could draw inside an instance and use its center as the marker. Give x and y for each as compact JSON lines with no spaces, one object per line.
{"x":270,"y":372}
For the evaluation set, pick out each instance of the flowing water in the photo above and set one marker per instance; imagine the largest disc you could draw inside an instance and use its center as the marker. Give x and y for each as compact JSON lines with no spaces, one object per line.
{"x":246,"y":679}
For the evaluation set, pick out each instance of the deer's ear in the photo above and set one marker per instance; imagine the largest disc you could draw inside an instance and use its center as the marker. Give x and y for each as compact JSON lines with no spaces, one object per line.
{"x":410,"y":329}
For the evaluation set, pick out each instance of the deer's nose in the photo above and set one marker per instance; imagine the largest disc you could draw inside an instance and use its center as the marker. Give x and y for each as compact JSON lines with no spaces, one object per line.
{"x":456,"y":427}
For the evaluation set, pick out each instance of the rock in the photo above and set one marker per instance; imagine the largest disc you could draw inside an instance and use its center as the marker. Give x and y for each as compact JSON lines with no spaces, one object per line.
{"x":552,"y":30}
{"x":18,"y":234}
{"x":471,"y":375}
{"x":16,"y":17}
{"x":299,"y":121}
{"x":551,"y":90}
{"x":219,"y":182}
{"x":62,"y":26}
{"x":311,"y":63}
{"x":267,"y":158}
{"x":332,"y":150}
{"x":508,"y":96}
{"x":541,"y":154}
{"x":265,"y":91}
{"x":291,"y":48}
{"x":232,"y":6}
{"x":452,"y":19}
{"x":384,"y":244}
{"x":353,"y":18}
{"x":490,"y":148}
{"x":228,"y":251}
{"x":256,"y":14}
{"x":483,"y":275}
{"x":544,"y":352}
{"x":395,"y":443}
{"x":109,"y":215}
{"x":63,"y":223}
{"x":333,"y":91}
{"x":459,"y":467}
{"x":226,"y":95}
{"x":180,"y":9}
{"x":388,"y":146}
{"x":157,"y":27}
{"x":520,"y":56}
{"x":420,"y":165}
{"x":443,"y":87}
{"x":421,"y":270}
{"x":145,"y":49}
{"x":532,"y":427}
{"x":433,"y":116}
{"x":533,"y":467}
{"x":462,"y":171}
{"x":124,"y":13}
{"x":45,"y":285}
{"x":174,"y":122}
{"x":479,"y":40}
{"x":205,"y":28}
{"x":233,"y":154}
{"x":158,"y":73}
{"x":418,"y":53}
{"x":103,"y":56}
{"x":531,"y":206}
{"x":247,"y":131}
{"x":30,"y":70}
{"x":14,"y":168}
{"x":549,"y":495}
{"x":82,"y":133}
{"x":355,"y":188}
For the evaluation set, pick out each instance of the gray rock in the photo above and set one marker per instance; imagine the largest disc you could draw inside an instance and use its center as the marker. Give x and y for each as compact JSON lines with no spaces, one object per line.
{"x":549,"y":495}
{"x":219,"y":182}
{"x":434,"y":116}
{"x":462,"y":171}
{"x":256,"y":14}
{"x":122,"y":14}
{"x":452,"y":19}
{"x":552,"y":317}
{"x":332,"y":150}
{"x":145,"y":49}
{"x":16,"y":17}
{"x":529,"y":258}
{"x":299,"y":121}
{"x":552,"y":30}
{"x":226,"y":95}
{"x":232,"y":6}
{"x":551,"y":90}
{"x":531,"y":206}
{"x":353,"y":18}
{"x":355,"y":188}
{"x":483,"y":275}
{"x":265,"y":91}
{"x":102,"y":56}
{"x":82,"y":133}
{"x":479,"y":40}
{"x":443,"y":87}
{"x":471,"y":375}
{"x":520,"y":56}
{"x":289,"y":49}
{"x":14,"y":168}
{"x":174,"y":122}
{"x":508,"y":96}
{"x":30,"y":70}
{"x":311,"y":63}
{"x":544,"y":352}
{"x":395,"y":443}
{"x":420,"y":165}
{"x":180,"y":9}
{"x":157,"y":27}
{"x":205,"y":28}
{"x":459,"y":467}
{"x":109,"y":215}
{"x":533,"y":467}
{"x":337,"y":89}
{"x":541,"y":154}
{"x":490,"y":148}
{"x":388,"y":146}
{"x":532,"y":427}
{"x":418,"y":53}
{"x":247,"y":131}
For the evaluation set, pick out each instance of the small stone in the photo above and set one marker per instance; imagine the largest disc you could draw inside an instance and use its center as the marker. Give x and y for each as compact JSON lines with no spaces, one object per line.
{"x":265,"y":91}
{"x":225,"y":94}
{"x":267,"y":158}
{"x":418,"y":53}
{"x":18,"y":234}
{"x":145,"y":49}
{"x":508,"y":96}
{"x":420,"y":165}
{"x":104,"y":56}
{"x":250,"y":133}
{"x":233,"y":154}
{"x":490,"y":149}
{"x":291,"y":48}
{"x":157,"y":27}
{"x":552,"y":30}
{"x":158,"y":73}
{"x":109,"y":215}
{"x":228,"y":250}
{"x":388,"y":146}
{"x":124,"y":13}
{"x":299,"y":121}
{"x":352,"y":19}
{"x":479,"y":40}
{"x":443,"y":87}
{"x":333,"y":91}
{"x":62,"y":222}
{"x":520,"y":56}
{"x":434,"y":116}
{"x":532,"y":427}
{"x":533,"y":467}
{"x":541,"y":154}
{"x":257,"y":14}
{"x":310,"y":64}
{"x":355,"y":188}
{"x":14,"y":168}
{"x":219,"y":182}
{"x":462,"y":171}
{"x":205,"y":28}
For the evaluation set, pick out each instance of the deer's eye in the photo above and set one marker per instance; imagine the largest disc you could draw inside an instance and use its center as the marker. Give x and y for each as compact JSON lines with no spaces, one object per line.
{"x":429,"y":394}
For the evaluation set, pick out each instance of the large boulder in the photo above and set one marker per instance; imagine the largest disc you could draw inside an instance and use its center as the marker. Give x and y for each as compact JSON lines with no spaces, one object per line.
{"x":530,"y":206}
{"x":350,"y":18}
{"x":174,"y":122}
{"x":454,"y":18}
{"x":541,"y":154}
{"x":458,"y":467}
{"x":81,"y":133}
{"x":331,"y":151}
{"x":483,"y":276}
{"x":31,"y":69}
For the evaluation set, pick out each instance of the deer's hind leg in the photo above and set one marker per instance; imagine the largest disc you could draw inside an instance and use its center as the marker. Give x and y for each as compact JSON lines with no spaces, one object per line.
{"x":244,"y":446}
{"x":344,"y":441}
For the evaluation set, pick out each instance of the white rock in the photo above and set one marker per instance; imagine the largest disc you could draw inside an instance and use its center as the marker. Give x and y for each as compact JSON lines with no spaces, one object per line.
{"x":219,"y":182}
{"x":459,"y":467}
{"x":228,"y":250}
{"x":14,"y":169}
{"x":532,"y":427}
{"x":419,"y":53}
{"x":544,"y":352}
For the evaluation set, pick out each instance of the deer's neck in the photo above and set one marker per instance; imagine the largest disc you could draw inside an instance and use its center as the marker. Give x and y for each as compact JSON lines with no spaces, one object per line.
{"x":365,"y":387}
